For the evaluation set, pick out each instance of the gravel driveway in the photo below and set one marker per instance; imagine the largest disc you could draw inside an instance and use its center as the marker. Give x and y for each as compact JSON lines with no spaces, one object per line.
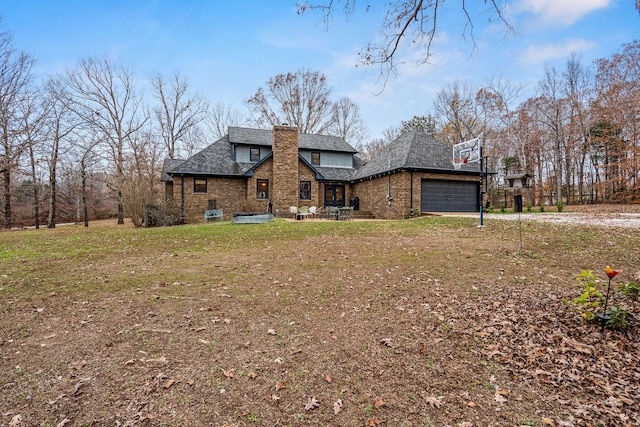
{"x":609,"y":219}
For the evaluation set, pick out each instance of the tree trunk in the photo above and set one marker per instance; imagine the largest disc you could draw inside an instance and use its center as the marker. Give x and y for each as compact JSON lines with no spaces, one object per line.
{"x":85,"y":210}
{"x":6,"y":177}
{"x":53,"y":188}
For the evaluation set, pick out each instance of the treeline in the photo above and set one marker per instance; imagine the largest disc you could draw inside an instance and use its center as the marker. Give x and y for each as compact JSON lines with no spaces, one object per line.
{"x":88,"y":143}
{"x":577,"y":136}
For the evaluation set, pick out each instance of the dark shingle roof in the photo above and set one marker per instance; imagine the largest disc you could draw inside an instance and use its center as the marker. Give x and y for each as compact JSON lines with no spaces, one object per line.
{"x":263,"y":137}
{"x":169,"y":164}
{"x":217,"y":158}
{"x":413,"y":150}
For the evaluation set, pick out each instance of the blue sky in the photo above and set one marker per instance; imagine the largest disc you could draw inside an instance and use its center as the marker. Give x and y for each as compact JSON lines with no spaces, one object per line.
{"x":227,"y":49}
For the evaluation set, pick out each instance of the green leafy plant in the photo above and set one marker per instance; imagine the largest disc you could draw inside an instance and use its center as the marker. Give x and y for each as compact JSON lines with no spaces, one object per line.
{"x":529,"y":207}
{"x":541,"y":207}
{"x":617,"y":317}
{"x":502,"y":207}
{"x":592,"y":304}
{"x":631,"y":289}
{"x":590,"y":300}
{"x":560,"y":206}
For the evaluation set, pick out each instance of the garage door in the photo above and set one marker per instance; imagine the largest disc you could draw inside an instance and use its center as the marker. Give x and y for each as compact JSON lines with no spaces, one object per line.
{"x":449,"y":196}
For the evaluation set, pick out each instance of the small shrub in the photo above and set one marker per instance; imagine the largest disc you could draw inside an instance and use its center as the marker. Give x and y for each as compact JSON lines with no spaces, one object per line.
{"x":529,"y":207}
{"x":542,"y":207}
{"x":502,"y":207}
{"x":560,"y":206}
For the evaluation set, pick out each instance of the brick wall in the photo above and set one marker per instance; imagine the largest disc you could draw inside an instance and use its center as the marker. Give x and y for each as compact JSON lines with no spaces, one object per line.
{"x":373,"y":193}
{"x":230,"y":195}
{"x":264,"y":171}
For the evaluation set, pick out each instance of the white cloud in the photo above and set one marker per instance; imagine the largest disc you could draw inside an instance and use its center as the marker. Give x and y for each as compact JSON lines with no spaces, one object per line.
{"x":563,"y":12}
{"x":538,"y":54}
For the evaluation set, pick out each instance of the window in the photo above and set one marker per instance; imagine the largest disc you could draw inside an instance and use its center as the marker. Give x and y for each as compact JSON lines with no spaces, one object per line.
{"x":200,"y":185}
{"x":254,"y":155}
{"x":305,"y":190}
{"x":262,"y":191}
{"x":315,"y":158}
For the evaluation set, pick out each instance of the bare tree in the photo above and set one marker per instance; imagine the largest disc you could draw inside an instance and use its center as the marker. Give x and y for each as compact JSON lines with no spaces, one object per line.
{"x":104,"y":97}
{"x":457,"y":107}
{"x":220,"y":117}
{"x":60,"y":124}
{"x":193,"y":141}
{"x":553,"y":111}
{"x":15,"y":79}
{"x":578,"y":90}
{"x":410,"y":22}
{"x":178,"y":110}
{"x":34,"y":117}
{"x":143,"y":167}
{"x":299,"y":99}
{"x":347,"y":123}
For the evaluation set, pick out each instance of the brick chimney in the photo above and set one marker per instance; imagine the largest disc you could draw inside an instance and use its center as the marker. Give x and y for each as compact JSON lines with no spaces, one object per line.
{"x":286,"y":188}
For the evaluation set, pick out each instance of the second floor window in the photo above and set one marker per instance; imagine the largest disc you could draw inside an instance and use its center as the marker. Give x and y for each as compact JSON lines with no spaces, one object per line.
{"x":254,"y":155}
{"x":315,"y":158}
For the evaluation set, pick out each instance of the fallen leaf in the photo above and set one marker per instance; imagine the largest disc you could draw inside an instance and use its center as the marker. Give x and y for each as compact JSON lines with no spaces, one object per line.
{"x":271,"y":331}
{"x":472,"y":404}
{"x":169,"y":383}
{"x":374,"y":422}
{"x":387,"y":341}
{"x":548,"y":421}
{"x":435,"y":402}
{"x":312,"y":403}
{"x":280,"y":385}
{"x":15,"y":421}
{"x":252,"y":375}
{"x":378,"y":402}
{"x":229,"y":373}
{"x":130,"y":362}
{"x":337,"y":406}
{"x":327,"y":378}
{"x":63,"y":422}
{"x":500,"y":398}
{"x":275,"y":397}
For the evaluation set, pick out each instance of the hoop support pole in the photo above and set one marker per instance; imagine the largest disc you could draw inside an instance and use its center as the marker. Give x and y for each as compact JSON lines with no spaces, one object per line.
{"x":481,"y":186}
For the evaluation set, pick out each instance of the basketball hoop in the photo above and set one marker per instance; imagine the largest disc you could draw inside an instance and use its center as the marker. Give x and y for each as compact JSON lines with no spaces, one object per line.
{"x":466,"y":152}
{"x":458,"y":162}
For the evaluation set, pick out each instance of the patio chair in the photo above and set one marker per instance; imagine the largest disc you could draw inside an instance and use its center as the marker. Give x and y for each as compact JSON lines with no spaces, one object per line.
{"x":313,"y":211}
{"x":303,"y":211}
{"x":293,"y":210}
{"x":332,"y":212}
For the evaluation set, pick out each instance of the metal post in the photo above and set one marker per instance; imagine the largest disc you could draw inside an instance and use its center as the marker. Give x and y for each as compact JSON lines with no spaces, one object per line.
{"x":481,"y":186}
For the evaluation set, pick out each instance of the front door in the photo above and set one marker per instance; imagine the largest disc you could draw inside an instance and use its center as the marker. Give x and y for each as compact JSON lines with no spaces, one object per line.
{"x":334,"y":195}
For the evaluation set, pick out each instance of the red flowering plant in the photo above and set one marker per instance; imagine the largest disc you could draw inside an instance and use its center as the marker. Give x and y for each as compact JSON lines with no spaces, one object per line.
{"x":593,"y":305}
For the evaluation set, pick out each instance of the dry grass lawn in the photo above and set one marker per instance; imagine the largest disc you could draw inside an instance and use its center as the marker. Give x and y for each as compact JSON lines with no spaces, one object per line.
{"x":423,"y":322}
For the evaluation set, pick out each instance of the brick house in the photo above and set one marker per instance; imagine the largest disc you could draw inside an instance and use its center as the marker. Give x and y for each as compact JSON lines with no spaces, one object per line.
{"x":253,"y":170}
